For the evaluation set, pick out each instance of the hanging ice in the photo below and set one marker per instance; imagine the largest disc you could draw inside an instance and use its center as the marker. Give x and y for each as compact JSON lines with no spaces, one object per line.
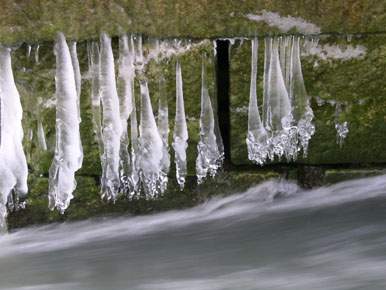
{"x":280,"y":117}
{"x":93,"y":63}
{"x":150,"y":147}
{"x":13,"y":165}
{"x":68,"y":155}
{"x":302,"y":111}
{"x":180,"y":134}
{"x":257,"y":135}
{"x":77,"y":75}
{"x":126,"y":77}
{"x":163,"y":128}
{"x":111,"y":124}
{"x":134,"y":151}
{"x":41,"y":136}
{"x":340,"y":126}
{"x":209,"y":156}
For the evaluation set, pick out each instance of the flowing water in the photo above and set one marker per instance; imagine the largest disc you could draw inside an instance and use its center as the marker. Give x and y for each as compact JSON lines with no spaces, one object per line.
{"x":273,"y":236}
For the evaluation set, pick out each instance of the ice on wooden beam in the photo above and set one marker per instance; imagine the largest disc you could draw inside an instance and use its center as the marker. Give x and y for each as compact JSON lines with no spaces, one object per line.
{"x":180,"y":134}
{"x":209,"y":157}
{"x":68,"y":154}
{"x":13,"y":165}
{"x":111,"y":121}
{"x":257,"y":136}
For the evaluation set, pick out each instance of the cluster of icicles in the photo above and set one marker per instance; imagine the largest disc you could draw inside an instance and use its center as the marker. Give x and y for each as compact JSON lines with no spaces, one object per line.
{"x":285,"y":127}
{"x":134,"y":155}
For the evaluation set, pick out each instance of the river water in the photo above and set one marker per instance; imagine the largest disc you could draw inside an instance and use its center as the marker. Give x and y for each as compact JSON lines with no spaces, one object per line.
{"x":273,"y":236}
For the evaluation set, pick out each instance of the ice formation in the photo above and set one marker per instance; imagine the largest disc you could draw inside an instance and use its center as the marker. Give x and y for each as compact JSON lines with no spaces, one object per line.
{"x":341,"y":127}
{"x":257,"y":136}
{"x":41,"y":136}
{"x":209,"y":157}
{"x":163,"y":128}
{"x":13,"y":165}
{"x":77,"y":75}
{"x":180,"y":134}
{"x":150,"y":147}
{"x":287,"y":114}
{"x":111,"y":121}
{"x":68,"y":154}
{"x":126,"y":77}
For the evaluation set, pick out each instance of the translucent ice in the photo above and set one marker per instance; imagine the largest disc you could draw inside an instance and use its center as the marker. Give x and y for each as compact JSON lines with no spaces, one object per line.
{"x":41,"y":136}
{"x":257,"y":135}
{"x":209,"y":156}
{"x":111,"y":122}
{"x":180,"y":135}
{"x":68,"y":154}
{"x":163,"y":128}
{"x":150,"y":147}
{"x":13,"y":165}
{"x":301,"y":109}
{"x":126,"y":78}
{"x":280,"y":117}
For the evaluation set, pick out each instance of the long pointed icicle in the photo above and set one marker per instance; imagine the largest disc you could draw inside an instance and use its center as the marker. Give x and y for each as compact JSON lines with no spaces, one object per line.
{"x":150,"y":147}
{"x":180,"y":135}
{"x":163,"y":128}
{"x":302,"y":110}
{"x":68,"y":156}
{"x":111,"y":125}
{"x":209,"y":157}
{"x":93,"y":63}
{"x":266,"y":104}
{"x":13,"y":164}
{"x":279,"y":103}
{"x":257,"y":135}
{"x":126,"y":76}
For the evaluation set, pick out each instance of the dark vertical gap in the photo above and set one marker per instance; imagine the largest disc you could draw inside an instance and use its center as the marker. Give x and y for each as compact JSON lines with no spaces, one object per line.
{"x":223,"y":95}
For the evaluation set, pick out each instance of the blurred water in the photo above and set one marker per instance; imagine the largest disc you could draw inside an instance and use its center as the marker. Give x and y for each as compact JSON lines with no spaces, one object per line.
{"x":274,"y":236}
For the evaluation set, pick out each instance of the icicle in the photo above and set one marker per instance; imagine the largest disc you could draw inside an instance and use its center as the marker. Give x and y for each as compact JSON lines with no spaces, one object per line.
{"x":37,"y":53}
{"x":78,"y":78}
{"x":209,"y":156}
{"x":126,"y":76}
{"x":341,"y":127}
{"x":279,"y":103}
{"x":93,"y":63}
{"x":180,"y":135}
{"x":267,"y":117}
{"x":134,"y":152}
{"x":163,"y":128}
{"x":68,"y":155}
{"x":13,"y":165}
{"x":150,"y":143}
{"x":28,"y":50}
{"x":41,"y":136}
{"x":302,"y":111}
{"x":257,"y":135}
{"x":111,"y":125}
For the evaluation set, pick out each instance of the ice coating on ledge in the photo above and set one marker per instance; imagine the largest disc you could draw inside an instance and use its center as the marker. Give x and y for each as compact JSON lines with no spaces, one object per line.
{"x":111,"y":122}
{"x":126,"y":78}
{"x":209,"y":158}
{"x":180,"y":134}
{"x":68,"y":154}
{"x":163,"y":128}
{"x":257,"y":135}
{"x":13,"y":164}
{"x":150,"y":148}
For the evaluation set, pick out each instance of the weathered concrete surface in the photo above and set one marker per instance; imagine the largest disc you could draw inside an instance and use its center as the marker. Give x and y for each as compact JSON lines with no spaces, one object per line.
{"x":33,"y":20}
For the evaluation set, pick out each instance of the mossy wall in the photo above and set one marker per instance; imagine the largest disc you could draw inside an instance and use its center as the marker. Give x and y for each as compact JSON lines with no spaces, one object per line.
{"x":357,"y":83}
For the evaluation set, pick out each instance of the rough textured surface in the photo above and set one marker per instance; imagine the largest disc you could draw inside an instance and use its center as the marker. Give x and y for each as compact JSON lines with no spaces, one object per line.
{"x":40,"y":19}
